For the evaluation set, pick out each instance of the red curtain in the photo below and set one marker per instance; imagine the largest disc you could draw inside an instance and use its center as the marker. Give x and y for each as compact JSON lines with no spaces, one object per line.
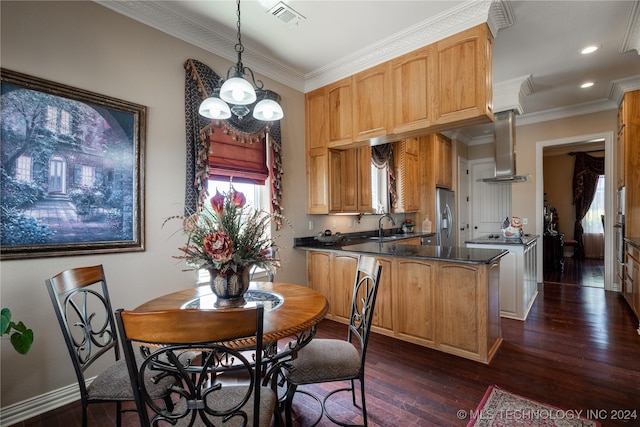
{"x":237,"y":157}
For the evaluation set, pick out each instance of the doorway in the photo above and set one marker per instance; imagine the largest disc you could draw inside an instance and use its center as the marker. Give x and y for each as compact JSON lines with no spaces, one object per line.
{"x":566,"y":144}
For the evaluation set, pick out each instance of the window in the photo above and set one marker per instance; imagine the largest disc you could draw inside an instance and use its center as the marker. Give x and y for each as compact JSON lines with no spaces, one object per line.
{"x":256,"y":198}
{"x":23,"y":169}
{"x":592,"y":221}
{"x":65,"y":123}
{"x":52,"y":119}
{"x":87,"y":176}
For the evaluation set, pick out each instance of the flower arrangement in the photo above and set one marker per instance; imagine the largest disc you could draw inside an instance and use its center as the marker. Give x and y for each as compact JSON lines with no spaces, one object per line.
{"x":228,"y":236}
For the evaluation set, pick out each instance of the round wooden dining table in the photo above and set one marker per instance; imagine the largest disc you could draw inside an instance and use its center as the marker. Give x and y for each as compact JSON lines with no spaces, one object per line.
{"x":290,"y":309}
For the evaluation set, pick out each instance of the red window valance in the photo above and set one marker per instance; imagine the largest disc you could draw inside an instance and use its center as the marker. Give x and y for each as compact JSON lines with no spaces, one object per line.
{"x":242,"y":158}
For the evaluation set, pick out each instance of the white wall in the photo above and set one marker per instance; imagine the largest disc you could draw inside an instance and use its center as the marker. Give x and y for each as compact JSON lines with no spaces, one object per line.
{"x":85,"y":45}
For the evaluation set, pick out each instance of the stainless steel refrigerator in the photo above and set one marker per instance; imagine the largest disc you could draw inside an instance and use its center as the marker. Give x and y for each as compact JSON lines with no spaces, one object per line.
{"x":445,"y":217}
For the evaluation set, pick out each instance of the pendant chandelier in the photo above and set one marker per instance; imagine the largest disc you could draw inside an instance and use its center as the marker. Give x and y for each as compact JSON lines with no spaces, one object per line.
{"x":241,"y":92}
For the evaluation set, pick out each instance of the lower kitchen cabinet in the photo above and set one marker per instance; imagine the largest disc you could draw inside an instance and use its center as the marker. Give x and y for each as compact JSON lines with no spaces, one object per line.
{"x":631,"y":289}
{"x":448,"y":306}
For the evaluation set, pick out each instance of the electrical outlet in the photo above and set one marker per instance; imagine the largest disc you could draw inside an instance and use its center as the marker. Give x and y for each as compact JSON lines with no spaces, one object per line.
{"x":350,"y":224}
{"x":525,"y":221}
{"x":334,"y":224}
{"x":310,"y":225}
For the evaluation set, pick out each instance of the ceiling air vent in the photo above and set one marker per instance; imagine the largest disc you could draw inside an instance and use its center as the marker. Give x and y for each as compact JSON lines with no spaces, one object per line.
{"x":286,"y":14}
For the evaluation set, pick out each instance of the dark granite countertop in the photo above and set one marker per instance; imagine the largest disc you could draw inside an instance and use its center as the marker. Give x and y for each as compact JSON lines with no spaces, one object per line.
{"x":633,"y":241}
{"x":348,"y":239}
{"x":430,"y":252}
{"x":499,"y":239}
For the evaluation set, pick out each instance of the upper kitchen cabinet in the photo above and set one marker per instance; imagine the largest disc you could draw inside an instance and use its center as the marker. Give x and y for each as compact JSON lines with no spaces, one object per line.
{"x":350,"y":177}
{"x":413,"y":77}
{"x":439,"y":156}
{"x":372,"y":102}
{"x":315,"y":114}
{"x":630,"y":109}
{"x":464,"y":93}
{"x":339,"y":112}
{"x":316,"y":134}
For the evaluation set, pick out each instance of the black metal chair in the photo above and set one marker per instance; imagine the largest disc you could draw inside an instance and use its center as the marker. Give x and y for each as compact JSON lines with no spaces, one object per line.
{"x":81,"y":302}
{"x":222,"y":388}
{"x":330,"y":360}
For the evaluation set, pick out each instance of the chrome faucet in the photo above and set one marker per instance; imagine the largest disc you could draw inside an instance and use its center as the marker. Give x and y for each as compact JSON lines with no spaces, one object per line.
{"x":380,"y":230}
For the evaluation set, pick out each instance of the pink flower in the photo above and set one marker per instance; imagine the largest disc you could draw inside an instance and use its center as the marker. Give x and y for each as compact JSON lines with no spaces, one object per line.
{"x":218,"y":246}
{"x":238,"y":199}
{"x":217,"y":202}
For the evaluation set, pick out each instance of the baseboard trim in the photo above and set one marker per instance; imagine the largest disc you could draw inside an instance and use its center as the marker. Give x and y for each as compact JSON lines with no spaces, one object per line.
{"x":37,"y":405}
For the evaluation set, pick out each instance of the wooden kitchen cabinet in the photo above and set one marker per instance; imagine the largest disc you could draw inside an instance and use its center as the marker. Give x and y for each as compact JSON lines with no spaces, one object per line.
{"x":319,"y":273}
{"x":437,"y":153}
{"x":442,"y":157}
{"x":350,"y":177}
{"x":407,"y":164}
{"x":317,"y":153}
{"x":630,"y":119}
{"x":631,"y":289}
{"x":464,"y":78}
{"x":413,"y":76}
{"x":343,"y":271}
{"x":372,"y":102}
{"x":318,"y":181}
{"x":339,"y":112}
{"x":468,"y":330}
{"x":452,"y":307}
{"x":414,"y":307}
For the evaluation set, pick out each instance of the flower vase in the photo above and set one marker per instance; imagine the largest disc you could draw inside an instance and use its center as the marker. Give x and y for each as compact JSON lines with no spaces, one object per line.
{"x":229,"y":287}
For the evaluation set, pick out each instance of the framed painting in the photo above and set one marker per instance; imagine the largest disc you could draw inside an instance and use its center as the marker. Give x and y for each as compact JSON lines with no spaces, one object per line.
{"x":72,"y":170}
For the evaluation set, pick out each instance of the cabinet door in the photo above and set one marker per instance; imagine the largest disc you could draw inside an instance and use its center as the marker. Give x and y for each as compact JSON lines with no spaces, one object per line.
{"x":316,"y":129}
{"x":343,"y":273}
{"x":414,"y":303}
{"x":336,"y":161}
{"x":443,"y":158}
{"x":464,"y":82}
{"x":318,"y":181}
{"x":318,"y":273}
{"x":365,"y":198}
{"x":339,"y":111}
{"x":372,"y":102}
{"x":382,"y":313}
{"x":349,"y":182}
{"x":413,"y":96}
{"x":461,"y":323}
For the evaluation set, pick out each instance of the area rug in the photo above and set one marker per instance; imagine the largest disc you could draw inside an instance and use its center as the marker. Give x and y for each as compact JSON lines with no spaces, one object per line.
{"x":499,"y":408}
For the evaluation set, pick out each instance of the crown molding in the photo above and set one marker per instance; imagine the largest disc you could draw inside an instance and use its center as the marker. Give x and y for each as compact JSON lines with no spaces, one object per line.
{"x":161,"y":16}
{"x":632,"y":34}
{"x":508,"y":95}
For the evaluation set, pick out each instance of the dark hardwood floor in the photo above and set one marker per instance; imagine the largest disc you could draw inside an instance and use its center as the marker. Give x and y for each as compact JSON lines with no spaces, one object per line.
{"x":578,"y":350}
{"x":582,"y":272}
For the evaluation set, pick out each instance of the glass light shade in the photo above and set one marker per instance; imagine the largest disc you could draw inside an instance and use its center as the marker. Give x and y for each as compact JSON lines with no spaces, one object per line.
{"x":268,"y":110}
{"x":214,"y":108}
{"x":238,"y":91}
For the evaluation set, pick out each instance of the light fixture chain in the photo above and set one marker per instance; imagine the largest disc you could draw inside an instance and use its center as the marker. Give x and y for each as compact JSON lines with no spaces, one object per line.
{"x":239,"y":47}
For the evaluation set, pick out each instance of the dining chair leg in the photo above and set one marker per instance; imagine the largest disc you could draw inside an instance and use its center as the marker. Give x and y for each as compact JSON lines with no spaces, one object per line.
{"x":288,"y":403}
{"x":364,"y":403}
{"x":118,"y":414}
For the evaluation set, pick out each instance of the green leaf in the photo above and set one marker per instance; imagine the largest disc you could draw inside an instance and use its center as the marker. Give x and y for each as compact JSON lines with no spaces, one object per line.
{"x":22,"y":341}
{"x":5,"y":321}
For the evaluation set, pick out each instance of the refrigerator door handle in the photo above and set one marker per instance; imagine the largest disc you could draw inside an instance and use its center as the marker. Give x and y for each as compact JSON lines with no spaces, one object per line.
{"x":448,"y":212}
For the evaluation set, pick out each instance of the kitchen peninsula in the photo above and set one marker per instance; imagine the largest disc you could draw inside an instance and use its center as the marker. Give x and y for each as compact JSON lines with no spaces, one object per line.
{"x":518,"y":272}
{"x":445,"y":298}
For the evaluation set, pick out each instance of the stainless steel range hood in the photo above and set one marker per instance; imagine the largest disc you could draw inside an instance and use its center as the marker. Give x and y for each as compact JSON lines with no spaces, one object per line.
{"x":505,"y":141}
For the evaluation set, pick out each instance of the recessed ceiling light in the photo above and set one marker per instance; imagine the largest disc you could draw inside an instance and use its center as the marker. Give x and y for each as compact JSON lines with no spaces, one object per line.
{"x":586,"y":85}
{"x":589,"y":49}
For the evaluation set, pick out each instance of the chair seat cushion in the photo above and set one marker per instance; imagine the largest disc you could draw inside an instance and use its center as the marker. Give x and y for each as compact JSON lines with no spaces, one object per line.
{"x":114,"y":384}
{"x":226,"y":398}
{"x":324,"y":360}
